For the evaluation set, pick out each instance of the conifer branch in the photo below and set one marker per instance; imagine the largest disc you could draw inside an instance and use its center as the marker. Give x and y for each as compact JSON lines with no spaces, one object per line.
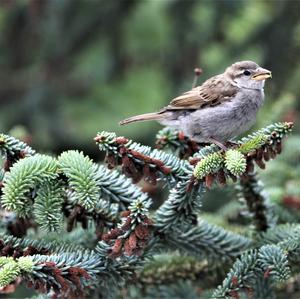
{"x":10,"y":146}
{"x":76,"y":188}
{"x":181,"y":207}
{"x":28,"y":187}
{"x":9,"y":271}
{"x":252,"y":192}
{"x":258,"y":147}
{"x":274,"y":262}
{"x":133,"y":234}
{"x":82,"y":178}
{"x":16,"y":247}
{"x":47,"y":207}
{"x":291,"y":246}
{"x":12,"y":149}
{"x":240,"y":277}
{"x":208,"y":241}
{"x":140,"y":161}
{"x":166,"y":269}
{"x":269,"y":262}
{"x":116,"y":188}
{"x":119,"y":270}
{"x":26,"y":175}
{"x":278,"y":233}
{"x":67,"y":272}
{"x":107,"y":212}
{"x":177,"y":142}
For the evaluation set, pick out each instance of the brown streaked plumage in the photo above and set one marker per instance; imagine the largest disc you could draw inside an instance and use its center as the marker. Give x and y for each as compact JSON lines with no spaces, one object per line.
{"x":211,"y":93}
{"x":218,"y":101}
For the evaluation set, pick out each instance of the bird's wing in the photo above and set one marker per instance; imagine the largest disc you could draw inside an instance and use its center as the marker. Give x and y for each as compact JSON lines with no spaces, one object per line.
{"x":211,"y":93}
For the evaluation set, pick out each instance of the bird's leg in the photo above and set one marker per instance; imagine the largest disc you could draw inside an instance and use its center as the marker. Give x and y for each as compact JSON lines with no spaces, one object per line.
{"x":232,"y":143}
{"x":218,"y":143}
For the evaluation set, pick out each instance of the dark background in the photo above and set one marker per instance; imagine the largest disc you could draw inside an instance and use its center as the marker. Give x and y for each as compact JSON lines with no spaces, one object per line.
{"x":72,"y":68}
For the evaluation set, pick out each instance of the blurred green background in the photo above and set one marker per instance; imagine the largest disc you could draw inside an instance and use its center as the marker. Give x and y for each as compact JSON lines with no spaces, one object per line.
{"x":71,"y":68}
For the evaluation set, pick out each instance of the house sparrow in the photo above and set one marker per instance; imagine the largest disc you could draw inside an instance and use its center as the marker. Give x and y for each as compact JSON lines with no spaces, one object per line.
{"x":220,"y":109}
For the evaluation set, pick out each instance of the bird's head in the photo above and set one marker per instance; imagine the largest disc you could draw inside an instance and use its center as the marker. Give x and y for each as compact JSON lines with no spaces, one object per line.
{"x":248,"y":74}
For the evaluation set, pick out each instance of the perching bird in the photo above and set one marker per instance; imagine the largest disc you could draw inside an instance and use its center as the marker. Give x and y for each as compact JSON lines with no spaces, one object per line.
{"x":220,"y":109}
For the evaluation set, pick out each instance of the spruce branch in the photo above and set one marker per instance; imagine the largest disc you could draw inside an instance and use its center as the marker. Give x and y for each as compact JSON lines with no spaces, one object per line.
{"x":116,"y":188}
{"x":240,"y":277}
{"x":252,"y":192}
{"x":119,"y":270}
{"x":263,"y":288}
{"x":14,"y":149}
{"x":181,"y":203}
{"x":106,"y":212}
{"x":258,"y":147}
{"x":208,"y":241}
{"x":117,"y":192}
{"x":25,"y":264}
{"x":266,"y":263}
{"x":176,"y":141}
{"x":9,"y":271}
{"x":47,"y":207}
{"x":140,"y":161}
{"x":16,"y":247}
{"x":134,"y":233}
{"x":181,"y":207}
{"x":278,"y":234}
{"x":184,"y":199}
{"x":274,"y":262}
{"x":65,"y":273}
{"x":86,"y":181}
{"x":4,"y":260}
{"x":210,"y":164}
{"x":86,"y":193}
{"x":82,"y":177}
{"x":26,"y":175}
{"x":11,"y":268}
{"x":291,"y":246}
{"x":166,"y":269}
{"x":235,"y":162}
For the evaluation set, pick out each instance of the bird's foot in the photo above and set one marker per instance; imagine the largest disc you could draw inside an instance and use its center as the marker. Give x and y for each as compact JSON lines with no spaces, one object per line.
{"x":231,"y":143}
{"x":218,"y":143}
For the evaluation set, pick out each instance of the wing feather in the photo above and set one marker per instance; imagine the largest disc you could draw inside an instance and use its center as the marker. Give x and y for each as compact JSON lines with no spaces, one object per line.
{"x":211,"y":93}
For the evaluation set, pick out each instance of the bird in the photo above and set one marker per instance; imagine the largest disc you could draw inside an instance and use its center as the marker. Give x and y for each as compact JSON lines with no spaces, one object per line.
{"x":222,"y":108}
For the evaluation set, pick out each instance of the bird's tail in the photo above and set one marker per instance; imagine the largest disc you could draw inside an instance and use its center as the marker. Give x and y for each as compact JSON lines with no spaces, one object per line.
{"x":142,"y":117}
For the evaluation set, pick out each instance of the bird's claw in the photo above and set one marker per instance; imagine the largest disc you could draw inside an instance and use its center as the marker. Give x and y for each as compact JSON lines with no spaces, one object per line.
{"x":218,"y":143}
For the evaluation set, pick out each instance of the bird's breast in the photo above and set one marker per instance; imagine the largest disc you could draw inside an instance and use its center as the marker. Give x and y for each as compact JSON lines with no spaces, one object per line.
{"x":231,"y":118}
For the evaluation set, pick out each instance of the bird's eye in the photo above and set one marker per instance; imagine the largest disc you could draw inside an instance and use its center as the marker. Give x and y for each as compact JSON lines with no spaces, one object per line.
{"x":247,"y":73}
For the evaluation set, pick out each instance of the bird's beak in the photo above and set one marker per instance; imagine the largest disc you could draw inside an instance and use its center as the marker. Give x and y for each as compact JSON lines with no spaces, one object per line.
{"x":261,"y":74}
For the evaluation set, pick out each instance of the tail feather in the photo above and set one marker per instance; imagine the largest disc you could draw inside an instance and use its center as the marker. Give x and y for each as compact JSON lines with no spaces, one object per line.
{"x":142,"y":117}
